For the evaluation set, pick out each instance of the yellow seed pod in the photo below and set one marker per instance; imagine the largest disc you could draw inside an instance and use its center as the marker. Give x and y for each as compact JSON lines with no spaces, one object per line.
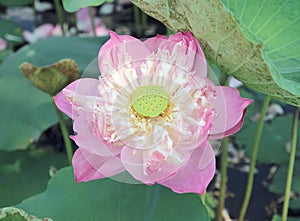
{"x":150,"y":101}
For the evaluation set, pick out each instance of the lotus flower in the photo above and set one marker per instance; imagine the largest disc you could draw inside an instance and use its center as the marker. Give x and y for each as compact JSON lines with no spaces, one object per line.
{"x":84,"y":23}
{"x":152,"y":113}
{"x":3,"y":44}
{"x":43,"y":31}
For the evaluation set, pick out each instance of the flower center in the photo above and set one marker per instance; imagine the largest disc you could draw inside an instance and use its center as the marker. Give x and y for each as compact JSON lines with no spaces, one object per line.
{"x":150,"y":101}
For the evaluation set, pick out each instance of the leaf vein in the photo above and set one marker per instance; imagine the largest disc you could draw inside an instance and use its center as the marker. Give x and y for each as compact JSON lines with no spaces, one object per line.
{"x":247,"y":59}
{"x":267,"y":22}
{"x":257,"y":14}
{"x":283,"y":46}
{"x":281,"y":30}
{"x":286,"y":58}
{"x":242,"y":13}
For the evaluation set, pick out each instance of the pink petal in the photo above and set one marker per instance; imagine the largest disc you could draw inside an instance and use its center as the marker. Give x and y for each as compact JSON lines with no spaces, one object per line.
{"x":83,"y":14}
{"x":133,"y":161}
{"x":101,"y":30}
{"x":119,"y":51}
{"x":3,"y":44}
{"x":56,"y":31}
{"x":88,"y":166}
{"x":84,"y":21}
{"x":188,"y":44}
{"x":196,"y":175}
{"x":155,"y":42}
{"x":90,"y":138}
{"x":29,"y":37}
{"x":230,"y":111}
{"x":81,"y":87}
{"x":43,"y":31}
{"x":233,"y":82}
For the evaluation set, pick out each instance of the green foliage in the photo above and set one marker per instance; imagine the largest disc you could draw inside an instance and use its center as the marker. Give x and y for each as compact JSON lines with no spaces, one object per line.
{"x":15,"y":214}
{"x":10,"y":32}
{"x":210,"y":203}
{"x":227,"y":43}
{"x":279,"y":218}
{"x":295,"y":203}
{"x":4,"y":55}
{"x":25,"y":111}
{"x":26,"y":173}
{"x":15,"y":2}
{"x":110,"y":200}
{"x":279,"y":180}
{"x":75,"y":5}
{"x":276,"y":25}
{"x":273,"y":142}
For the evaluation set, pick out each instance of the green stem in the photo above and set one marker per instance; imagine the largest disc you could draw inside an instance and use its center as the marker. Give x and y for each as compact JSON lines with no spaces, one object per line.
{"x":137,"y":22}
{"x":223,"y":178}
{"x":92,"y":18}
{"x":253,"y":158}
{"x":65,"y":133}
{"x":144,"y":20}
{"x":59,"y":13}
{"x":35,"y":14}
{"x":291,"y":168}
{"x":75,"y":22}
{"x":203,"y":198}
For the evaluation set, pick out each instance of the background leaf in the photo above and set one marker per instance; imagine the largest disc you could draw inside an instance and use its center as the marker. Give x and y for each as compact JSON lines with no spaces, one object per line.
{"x":295,"y":203}
{"x":15,"y":2}
{"x":277,"y":25}
{"x":275,"y":136}
{"x":279,"y":180}
{"x":75,"y":5}
{"x":223,"y":41}
{"x":26,"y":111}
{"x":110,"y":200}
{"x":26,"y":173}
{"x":279,"y":218}
{"x":11,"y":33}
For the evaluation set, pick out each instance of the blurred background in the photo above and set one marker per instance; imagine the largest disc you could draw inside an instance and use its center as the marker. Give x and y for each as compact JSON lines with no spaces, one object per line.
{"x":31,"y":144}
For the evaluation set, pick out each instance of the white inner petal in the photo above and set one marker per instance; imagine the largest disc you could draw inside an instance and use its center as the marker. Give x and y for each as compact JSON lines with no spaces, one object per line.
{"x":164,"y":138}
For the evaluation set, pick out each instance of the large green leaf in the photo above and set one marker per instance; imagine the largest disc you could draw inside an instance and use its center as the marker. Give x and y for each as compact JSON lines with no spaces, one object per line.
{"x":110,"y":200}
{"x":279,"y":181}
{"x":226,"y":45}
{"x":26,"y":111}
{"x":4,"y":55}
{"x":276,"y":24}
{"x":275,"y":137}
{"x":75,"y":5}
{"x":26,"y":173}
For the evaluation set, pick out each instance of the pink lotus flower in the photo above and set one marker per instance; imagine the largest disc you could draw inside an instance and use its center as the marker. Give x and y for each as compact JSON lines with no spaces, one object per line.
{"x":43,"y":31}
{"x":152,"y":112}
{"x":84,"y":23}
{"x":3,"y":44}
